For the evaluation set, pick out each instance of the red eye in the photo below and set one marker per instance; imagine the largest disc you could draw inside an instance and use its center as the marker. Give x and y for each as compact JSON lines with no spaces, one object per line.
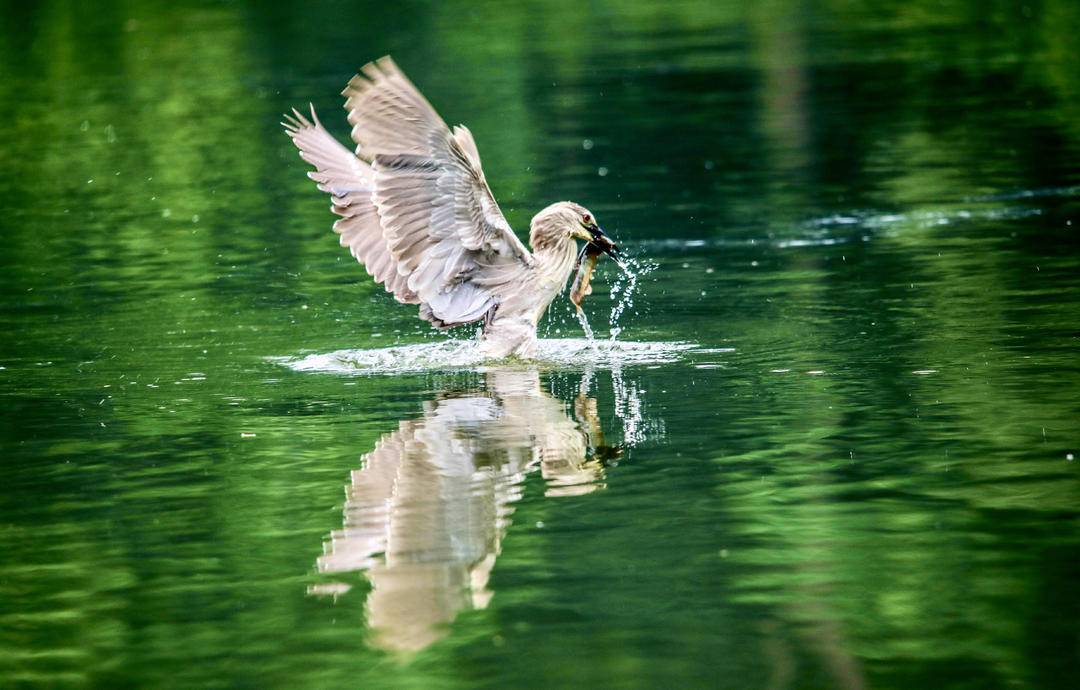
{"x":586,"y":219}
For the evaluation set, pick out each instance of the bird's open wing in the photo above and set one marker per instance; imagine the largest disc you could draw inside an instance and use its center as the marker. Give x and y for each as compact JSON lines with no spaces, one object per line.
{"x":439,"y":219}
{"x":350,"y":183}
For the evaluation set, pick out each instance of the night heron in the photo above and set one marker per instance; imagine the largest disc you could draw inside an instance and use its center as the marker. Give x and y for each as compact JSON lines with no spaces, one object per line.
{"x":417,"y":212}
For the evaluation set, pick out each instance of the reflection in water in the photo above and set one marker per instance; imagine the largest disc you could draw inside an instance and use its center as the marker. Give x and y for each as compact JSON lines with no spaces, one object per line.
{"x":426,"y":512}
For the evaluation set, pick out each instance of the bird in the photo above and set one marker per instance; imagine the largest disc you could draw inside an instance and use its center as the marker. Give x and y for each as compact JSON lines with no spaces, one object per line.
{"x":416,"y":210}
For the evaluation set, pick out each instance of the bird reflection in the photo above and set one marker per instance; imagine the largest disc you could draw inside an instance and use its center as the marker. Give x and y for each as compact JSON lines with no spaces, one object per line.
{"x":426,"y":512}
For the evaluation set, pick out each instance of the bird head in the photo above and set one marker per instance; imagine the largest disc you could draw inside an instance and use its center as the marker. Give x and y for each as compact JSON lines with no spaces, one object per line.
{"x":566,"y":220}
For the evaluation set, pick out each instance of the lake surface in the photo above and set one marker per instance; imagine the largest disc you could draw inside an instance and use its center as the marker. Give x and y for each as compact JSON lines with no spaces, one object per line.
{"x":831,"y":447}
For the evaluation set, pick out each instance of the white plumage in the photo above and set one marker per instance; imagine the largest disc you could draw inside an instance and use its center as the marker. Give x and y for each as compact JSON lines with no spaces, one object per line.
{"x":417,"y":212}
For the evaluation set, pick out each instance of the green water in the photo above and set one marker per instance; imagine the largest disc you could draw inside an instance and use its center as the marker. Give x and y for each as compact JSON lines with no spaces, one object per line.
{"x":864,"y":218}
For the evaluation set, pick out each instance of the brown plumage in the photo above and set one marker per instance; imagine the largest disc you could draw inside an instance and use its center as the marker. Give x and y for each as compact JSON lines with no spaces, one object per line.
{"x":417,"y":212}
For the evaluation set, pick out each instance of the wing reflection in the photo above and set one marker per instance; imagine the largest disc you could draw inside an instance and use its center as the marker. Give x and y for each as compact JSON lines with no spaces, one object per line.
{"x":427,"y":510}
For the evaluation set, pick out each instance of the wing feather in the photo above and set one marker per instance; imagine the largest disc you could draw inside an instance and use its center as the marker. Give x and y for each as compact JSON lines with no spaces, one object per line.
{"x":440,"y":220}
{"x":415,"y":207}
{"x":350,"y":183}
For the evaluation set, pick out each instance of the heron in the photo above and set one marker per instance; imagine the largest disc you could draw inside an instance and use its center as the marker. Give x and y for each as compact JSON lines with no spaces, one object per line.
{"x":417,"y":212}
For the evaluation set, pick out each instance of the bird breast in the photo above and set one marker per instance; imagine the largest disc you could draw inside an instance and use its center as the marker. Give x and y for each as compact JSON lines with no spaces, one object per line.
{"x":553,"y":268}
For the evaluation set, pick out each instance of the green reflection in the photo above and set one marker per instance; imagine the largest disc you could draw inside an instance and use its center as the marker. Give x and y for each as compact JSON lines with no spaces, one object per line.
{"x":864,"y":214}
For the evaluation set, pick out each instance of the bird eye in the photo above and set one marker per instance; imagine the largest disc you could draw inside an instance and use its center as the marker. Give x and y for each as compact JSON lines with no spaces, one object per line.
{"x":586,"y":219}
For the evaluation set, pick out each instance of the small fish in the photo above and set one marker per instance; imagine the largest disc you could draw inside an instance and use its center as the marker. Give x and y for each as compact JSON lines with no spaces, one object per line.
{"x":586,"y":262}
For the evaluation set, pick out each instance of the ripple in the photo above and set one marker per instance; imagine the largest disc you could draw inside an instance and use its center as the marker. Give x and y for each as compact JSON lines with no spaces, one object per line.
{"x":1042,"y":192}
{"x":451,"y":355}
{"x":819,"y":232}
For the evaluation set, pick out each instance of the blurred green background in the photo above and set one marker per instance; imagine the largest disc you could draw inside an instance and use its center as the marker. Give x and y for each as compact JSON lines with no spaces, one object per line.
{"x":864,"y":215}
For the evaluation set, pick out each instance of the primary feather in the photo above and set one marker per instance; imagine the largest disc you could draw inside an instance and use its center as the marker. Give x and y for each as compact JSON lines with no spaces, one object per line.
{"x":417,"y":212}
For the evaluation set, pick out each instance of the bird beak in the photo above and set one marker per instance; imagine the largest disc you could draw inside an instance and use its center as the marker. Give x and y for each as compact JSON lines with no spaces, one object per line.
{"x":603,"y":242}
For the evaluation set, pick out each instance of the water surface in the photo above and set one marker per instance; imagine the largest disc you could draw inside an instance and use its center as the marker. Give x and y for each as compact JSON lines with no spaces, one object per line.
{"x":832,"y":446}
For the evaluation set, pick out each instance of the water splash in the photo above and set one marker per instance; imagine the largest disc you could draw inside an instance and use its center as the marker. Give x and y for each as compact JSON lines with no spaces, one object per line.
{"x":465,"y":355}
{"x":622,"y":290}
{"x":568,"y":353}
{"x":584,"y":321}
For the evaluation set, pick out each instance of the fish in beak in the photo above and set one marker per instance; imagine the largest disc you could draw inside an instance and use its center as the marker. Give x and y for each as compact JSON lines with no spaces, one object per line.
{"x":603,"y":242}
{"x":598,"y":244}
{"x":583,"y":270}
